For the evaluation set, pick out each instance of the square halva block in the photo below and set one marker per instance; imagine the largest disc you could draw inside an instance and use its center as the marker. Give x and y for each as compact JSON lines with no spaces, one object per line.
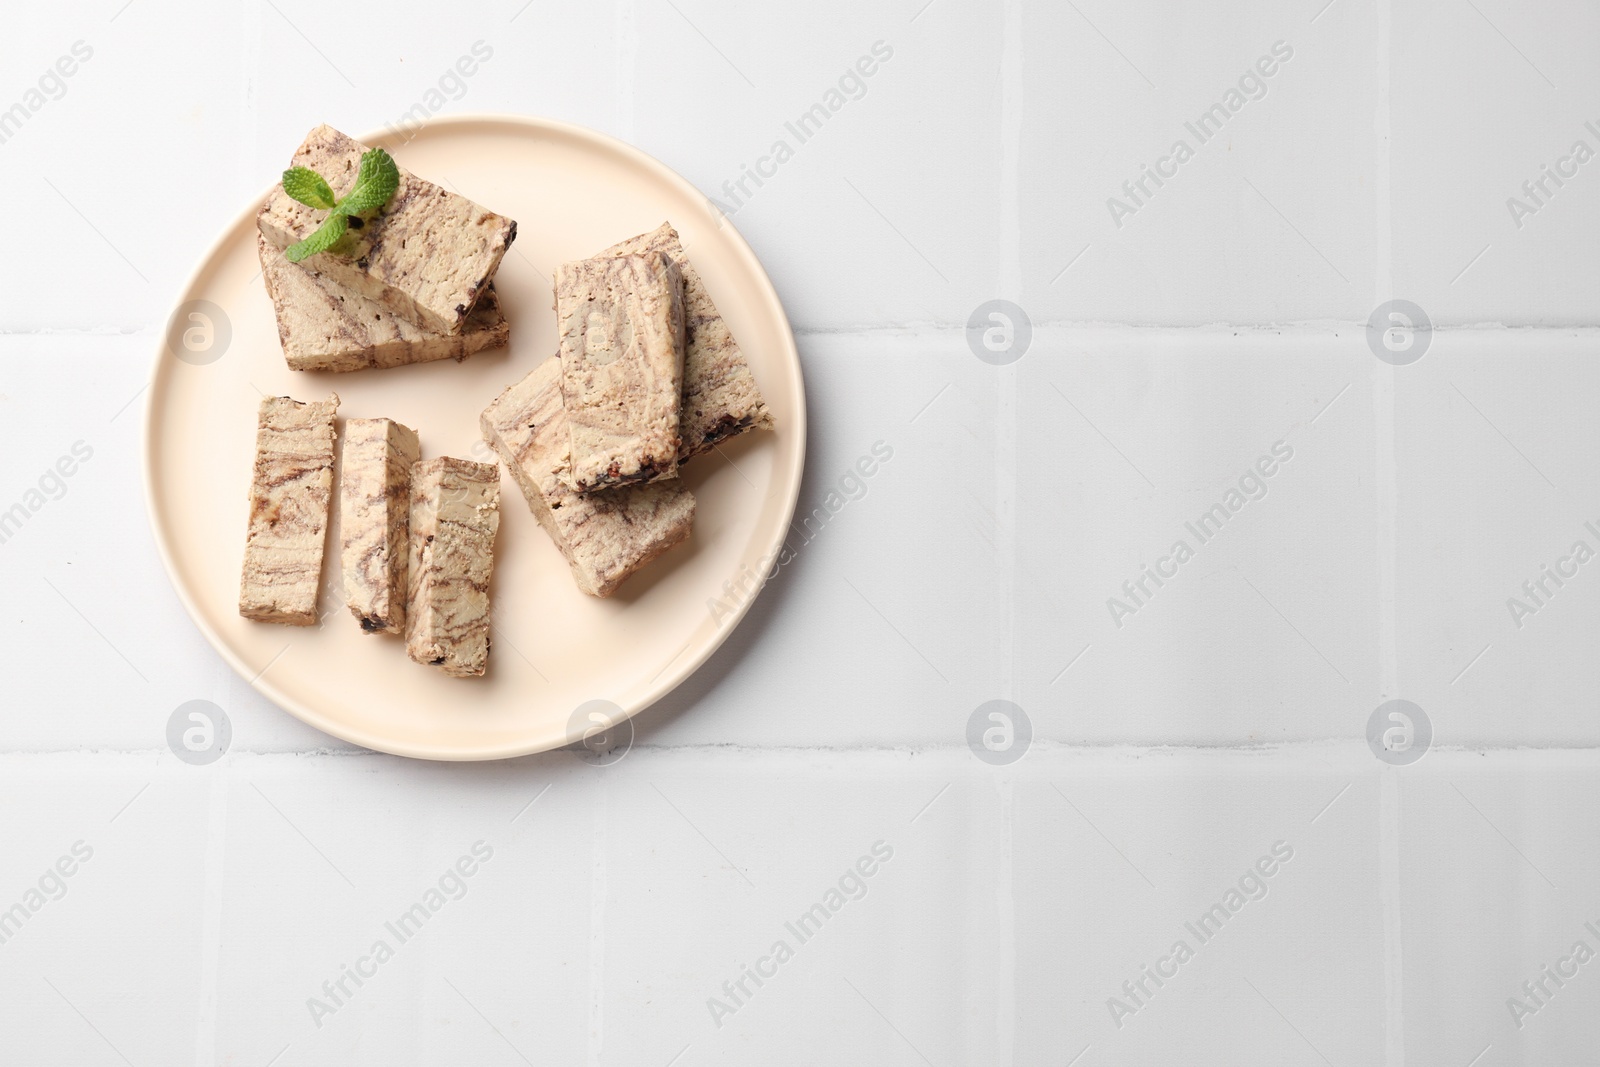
{"x":427,"y":256}
{"x":324,"y":326}
{"x":605,"y":536}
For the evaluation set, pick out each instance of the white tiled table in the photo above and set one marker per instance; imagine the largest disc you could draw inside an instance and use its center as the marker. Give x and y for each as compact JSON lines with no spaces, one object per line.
{"x":1226,"y":716}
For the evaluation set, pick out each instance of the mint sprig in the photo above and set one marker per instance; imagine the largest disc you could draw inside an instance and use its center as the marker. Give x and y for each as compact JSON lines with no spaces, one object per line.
{"x":376,"y":181}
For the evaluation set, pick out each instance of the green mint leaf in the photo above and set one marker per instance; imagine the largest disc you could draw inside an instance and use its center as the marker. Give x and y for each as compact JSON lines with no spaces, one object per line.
{"x":376,"y":182}
{"x":324,"y":238}
{"x":307,"y":186}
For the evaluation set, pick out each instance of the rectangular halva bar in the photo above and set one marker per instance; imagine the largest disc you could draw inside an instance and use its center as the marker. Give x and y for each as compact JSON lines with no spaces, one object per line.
{"x":720,"y":395}
{"x":455,"y":513}
{"x":374,"y":519}
{"x":291,"y":494}
{"x":620,"y":324}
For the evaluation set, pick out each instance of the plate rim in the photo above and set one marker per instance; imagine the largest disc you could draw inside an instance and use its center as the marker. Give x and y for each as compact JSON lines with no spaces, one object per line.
{"x":669,"y":679}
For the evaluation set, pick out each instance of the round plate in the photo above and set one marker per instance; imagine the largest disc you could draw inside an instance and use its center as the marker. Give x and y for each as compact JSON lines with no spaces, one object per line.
{"x":573,"y":192}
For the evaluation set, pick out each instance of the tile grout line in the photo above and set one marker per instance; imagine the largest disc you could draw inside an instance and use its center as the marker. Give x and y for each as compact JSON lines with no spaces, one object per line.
{"x":211,"y":919}
{"x":923,"y":329}
{"x":1005,"y":992}
{"x":1011,"y":288}
{"x":1386,"y":491}
{"x":1311,"y":747}
{"x":1391,"y":902}
{"x":597,"y":929}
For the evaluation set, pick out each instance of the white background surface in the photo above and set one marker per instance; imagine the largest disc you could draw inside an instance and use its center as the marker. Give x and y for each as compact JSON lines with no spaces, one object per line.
{"x":1168,"y":353}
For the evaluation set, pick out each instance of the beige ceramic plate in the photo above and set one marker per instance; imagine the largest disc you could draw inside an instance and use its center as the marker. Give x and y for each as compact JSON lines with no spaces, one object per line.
{"x":572,"y":192}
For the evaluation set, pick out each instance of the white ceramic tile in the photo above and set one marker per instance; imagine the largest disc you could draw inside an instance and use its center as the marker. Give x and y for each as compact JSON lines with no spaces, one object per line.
{"x":133,"y":839}
{"x":1493,"y":488}
{"x":1262,"y":631}
{"x":1270,"y":218}
{"x":1485,"y":97}
{"x":1119,"y":861}
{"x":132,"y":126}
{"x":1494,"y":891}
{"x":713,"y":868}
{"x":456,"y":975}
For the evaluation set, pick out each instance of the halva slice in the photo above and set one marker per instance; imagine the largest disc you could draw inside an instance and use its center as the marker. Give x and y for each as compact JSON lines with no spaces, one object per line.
{"x":620,"y":324}
{"x":427,"y":256}
{"x":291,"y":494}
{"x":605,"y":536}
{"x":324,"y":326}
{"x":720,"y":395}
{"x":374,"y":518}
{"x":455,"y":513}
